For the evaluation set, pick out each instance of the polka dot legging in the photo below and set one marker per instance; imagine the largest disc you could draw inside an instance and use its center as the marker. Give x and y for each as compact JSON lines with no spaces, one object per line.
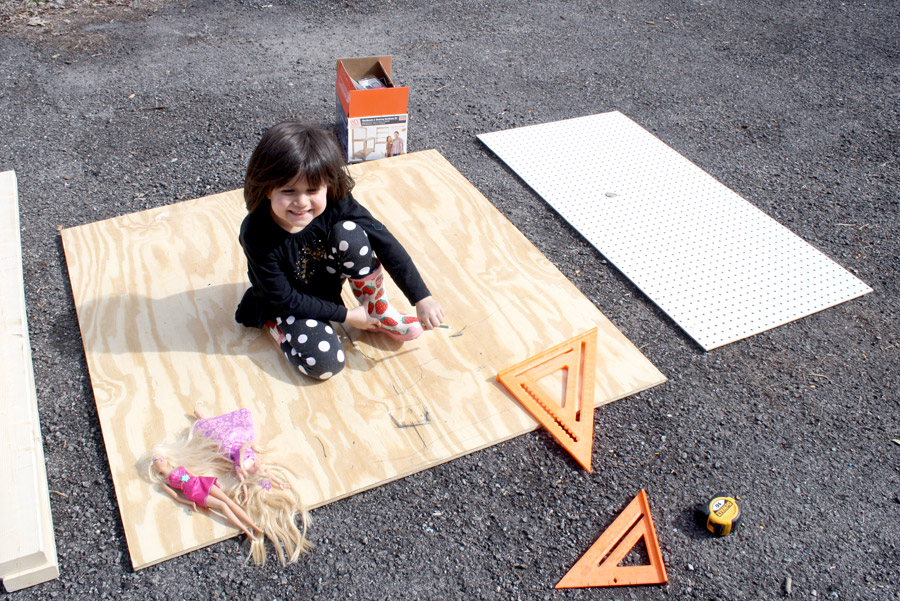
{"x":313,"y":346}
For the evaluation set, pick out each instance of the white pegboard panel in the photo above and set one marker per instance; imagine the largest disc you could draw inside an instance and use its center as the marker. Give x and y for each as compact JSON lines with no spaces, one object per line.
{"x":719,"y":267}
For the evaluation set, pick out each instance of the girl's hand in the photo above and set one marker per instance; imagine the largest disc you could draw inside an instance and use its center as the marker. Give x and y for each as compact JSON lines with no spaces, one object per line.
{"x":360,"y":319}
{"x":430,"y":313}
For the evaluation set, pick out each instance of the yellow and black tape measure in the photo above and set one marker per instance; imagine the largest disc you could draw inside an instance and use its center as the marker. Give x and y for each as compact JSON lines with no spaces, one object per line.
{"x":720,"y":515}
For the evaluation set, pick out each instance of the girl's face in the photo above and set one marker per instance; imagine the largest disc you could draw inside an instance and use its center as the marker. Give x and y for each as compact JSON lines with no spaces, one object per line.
{"x":296,"y":204}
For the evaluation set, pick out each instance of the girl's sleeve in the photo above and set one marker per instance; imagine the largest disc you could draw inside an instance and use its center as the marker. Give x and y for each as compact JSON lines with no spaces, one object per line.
{"x":390,"y":252}
{"x":271,"y":284}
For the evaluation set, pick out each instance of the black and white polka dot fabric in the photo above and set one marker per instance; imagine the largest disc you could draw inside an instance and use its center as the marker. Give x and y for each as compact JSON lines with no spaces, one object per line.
{"x":313,"y":346}
{"x":351,"y":255}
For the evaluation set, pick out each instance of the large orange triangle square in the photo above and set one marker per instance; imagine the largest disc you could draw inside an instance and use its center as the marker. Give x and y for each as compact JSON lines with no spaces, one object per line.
{"x":572,"y":421}
{"x":599,"y":566}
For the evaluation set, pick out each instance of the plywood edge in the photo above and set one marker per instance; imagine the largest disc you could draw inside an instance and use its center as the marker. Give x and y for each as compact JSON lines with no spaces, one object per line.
{"x":411,"y":472}
{"x":138,"y":564}
{"x":26,"y":523}
{"x":534,"y":426}
{"x":653,"y":384}
{"x":147,"y":217}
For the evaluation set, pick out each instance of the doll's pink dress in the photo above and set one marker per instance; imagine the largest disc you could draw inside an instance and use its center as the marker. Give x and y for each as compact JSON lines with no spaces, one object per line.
{"x":232,"y":430}
{"x":195,"y":488}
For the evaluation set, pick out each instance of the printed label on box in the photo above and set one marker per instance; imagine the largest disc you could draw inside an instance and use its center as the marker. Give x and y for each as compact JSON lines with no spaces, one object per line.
{"x":370,"y":138}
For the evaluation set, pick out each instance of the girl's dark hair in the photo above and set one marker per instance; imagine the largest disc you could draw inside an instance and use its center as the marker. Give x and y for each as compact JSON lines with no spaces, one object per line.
{"x":290,"y":149}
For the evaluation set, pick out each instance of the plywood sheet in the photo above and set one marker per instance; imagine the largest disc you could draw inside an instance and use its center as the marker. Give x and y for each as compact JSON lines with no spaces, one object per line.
{"x":28,"y":547}
{"x":156,"y":293}
{"x":719,"y":267}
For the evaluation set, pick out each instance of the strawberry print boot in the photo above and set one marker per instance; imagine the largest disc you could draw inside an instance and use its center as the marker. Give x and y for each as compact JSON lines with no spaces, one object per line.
{"x":370,"y":292}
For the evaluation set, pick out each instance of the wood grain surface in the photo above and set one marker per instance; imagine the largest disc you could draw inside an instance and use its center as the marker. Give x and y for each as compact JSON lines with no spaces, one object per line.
{"x":156,"y":293}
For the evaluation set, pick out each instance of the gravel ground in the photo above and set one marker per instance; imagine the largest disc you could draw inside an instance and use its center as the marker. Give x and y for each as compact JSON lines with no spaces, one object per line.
{"x":107,"y":108}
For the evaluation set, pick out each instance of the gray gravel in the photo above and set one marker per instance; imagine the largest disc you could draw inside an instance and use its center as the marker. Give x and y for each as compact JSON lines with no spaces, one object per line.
{"x":796,"y":108}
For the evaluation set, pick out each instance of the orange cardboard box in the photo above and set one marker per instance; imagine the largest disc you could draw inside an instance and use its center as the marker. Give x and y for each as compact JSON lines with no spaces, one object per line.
{"x":371,"y":113}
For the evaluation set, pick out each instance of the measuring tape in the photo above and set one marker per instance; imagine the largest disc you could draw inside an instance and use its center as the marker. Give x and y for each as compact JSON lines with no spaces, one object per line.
{"x":720,"y":515}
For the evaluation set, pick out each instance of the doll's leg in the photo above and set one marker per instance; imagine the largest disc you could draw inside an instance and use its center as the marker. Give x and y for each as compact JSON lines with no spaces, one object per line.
{"x":312,"y":346}
{"x":217,"y":499}
{"x":354,"y":259}
{"x":220,"y":506}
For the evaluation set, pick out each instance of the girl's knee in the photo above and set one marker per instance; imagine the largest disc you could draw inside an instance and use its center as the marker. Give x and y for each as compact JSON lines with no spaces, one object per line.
{"x":314,"y":348}
{"x":351,"y":254}
{"x":321,"y":370}
{"x":350,"y":233}
{"x":317,"y":365}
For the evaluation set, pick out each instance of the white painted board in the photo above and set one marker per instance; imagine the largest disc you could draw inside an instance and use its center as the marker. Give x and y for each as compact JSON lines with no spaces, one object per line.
{"x":719,"y":267}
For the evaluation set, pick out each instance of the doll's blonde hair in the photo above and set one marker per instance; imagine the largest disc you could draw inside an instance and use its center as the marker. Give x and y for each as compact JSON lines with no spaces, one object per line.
{"x":198,"y":454}
{"x":279,"y":512}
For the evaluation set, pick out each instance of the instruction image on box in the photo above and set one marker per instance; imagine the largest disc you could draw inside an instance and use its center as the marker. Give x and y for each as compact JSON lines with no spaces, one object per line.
{"x":370,"y":138}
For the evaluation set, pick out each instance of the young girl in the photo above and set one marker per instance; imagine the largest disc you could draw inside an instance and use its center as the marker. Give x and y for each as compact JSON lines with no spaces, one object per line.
{"x":304,"y":235}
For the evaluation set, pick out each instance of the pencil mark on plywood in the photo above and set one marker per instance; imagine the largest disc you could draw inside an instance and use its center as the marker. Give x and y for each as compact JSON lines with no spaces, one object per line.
{"x":410,"y":417}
